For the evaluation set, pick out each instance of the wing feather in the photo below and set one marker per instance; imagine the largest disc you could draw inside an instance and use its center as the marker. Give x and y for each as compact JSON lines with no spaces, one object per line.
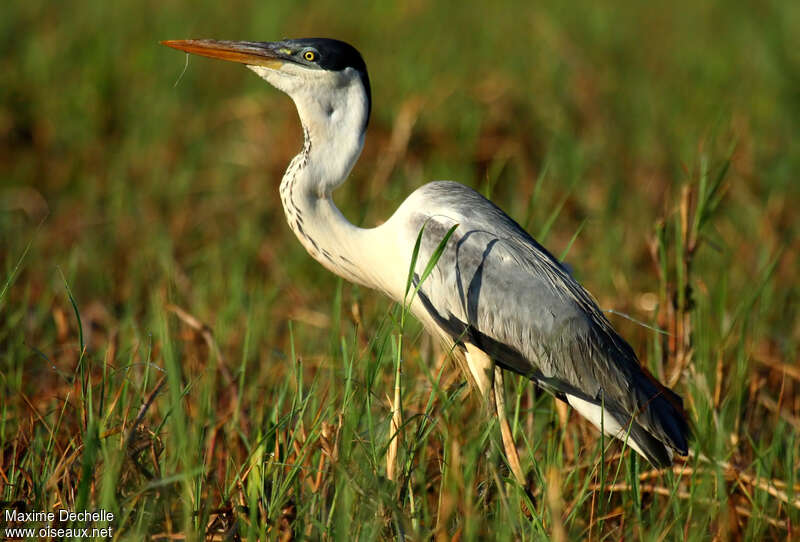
{"x":496,"y":287}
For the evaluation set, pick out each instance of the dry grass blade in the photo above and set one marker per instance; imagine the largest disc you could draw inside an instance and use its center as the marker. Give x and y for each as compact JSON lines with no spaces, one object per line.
{"x":133,"y":448}
{"x":683,"y":494}
{"x":555,"y":504}
{"x":208,"y":336}
{"x":397,"y":423}
{"x":775,"y":488}
{"x":143,"y":410}
{"x":770,"y":404}
{"x":205,"y":331}
{"x":785,"y":368}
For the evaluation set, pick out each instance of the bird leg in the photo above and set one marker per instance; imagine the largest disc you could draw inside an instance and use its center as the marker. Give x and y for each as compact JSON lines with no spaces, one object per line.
{"x":481,"y":367}
{"x":489,"y":381}
{"x":505,"y":429}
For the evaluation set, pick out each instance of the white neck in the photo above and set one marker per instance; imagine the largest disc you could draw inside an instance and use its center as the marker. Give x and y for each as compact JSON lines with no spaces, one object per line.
{"x":333,"y":128}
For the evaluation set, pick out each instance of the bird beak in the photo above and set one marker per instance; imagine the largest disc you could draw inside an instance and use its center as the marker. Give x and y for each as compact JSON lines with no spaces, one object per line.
{"x":269,"y":55}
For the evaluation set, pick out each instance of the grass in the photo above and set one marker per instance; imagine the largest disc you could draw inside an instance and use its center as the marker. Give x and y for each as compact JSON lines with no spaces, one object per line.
{"x":169,"y":353}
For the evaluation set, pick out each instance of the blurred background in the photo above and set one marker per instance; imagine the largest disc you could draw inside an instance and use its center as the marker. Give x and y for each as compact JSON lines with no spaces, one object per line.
{"x":138,"y":183}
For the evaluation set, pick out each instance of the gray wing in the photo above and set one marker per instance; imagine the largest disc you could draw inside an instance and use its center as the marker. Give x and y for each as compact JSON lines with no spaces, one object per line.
{"x":496,"y":287}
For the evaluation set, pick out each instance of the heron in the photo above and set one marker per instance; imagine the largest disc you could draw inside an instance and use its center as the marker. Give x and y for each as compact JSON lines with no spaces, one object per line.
{"x":496,"y":297}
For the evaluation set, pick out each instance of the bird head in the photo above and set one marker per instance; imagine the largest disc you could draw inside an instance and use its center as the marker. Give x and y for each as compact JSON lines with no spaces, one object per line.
{"x":326,"y":78}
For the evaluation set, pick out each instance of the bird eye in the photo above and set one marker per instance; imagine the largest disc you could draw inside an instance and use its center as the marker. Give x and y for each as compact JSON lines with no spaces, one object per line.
{"x":311,"y":56}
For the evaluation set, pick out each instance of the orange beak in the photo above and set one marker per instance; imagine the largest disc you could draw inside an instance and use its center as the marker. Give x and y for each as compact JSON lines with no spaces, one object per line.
{"x":244,"y":52}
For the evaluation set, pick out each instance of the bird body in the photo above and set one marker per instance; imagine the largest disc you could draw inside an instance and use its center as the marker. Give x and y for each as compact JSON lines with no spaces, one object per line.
{"x":495,"y":295}
{"x":496,"y":288}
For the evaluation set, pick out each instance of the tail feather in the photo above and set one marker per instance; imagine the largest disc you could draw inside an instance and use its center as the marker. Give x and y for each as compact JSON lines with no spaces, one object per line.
{"x":650,"y":447}
{"x":663,"y":416}
{"x":655,"y":434}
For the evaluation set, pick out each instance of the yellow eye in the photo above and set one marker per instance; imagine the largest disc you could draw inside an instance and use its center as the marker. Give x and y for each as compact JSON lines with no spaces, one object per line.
{"x":310,"y":56}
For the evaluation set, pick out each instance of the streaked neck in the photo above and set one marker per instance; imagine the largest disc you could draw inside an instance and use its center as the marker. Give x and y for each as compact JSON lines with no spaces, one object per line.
{"x":332,"y":145}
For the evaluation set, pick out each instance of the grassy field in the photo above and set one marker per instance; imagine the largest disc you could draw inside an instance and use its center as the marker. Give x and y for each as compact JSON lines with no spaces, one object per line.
{"x":170,"y":354}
